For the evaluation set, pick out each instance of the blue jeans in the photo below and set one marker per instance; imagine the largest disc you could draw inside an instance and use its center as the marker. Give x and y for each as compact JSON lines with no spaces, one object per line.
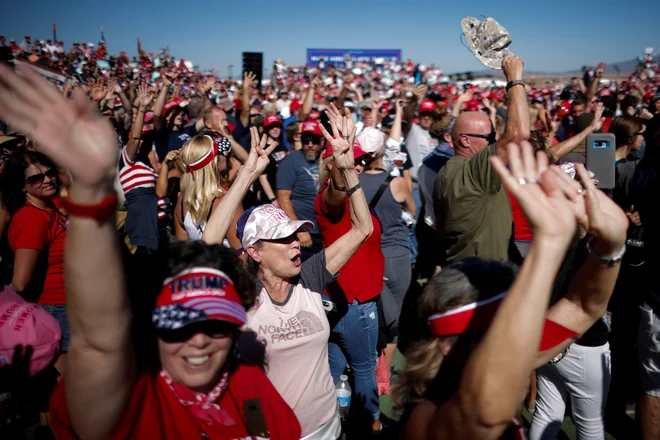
{"x":59,"y":312}
{"x":412,"y":239}
{"x":354,"y":339}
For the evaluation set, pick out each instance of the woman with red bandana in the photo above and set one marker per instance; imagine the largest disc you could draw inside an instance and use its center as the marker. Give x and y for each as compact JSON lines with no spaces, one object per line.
{"x":487,"y":328}
{"x":190,"y":383}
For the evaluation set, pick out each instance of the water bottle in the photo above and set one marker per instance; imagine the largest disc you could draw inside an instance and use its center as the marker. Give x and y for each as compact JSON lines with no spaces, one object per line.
{"x":343,"y":390}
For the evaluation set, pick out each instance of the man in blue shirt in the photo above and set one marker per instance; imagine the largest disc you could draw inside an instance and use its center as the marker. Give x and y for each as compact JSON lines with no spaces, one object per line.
{"x":298,"y":182}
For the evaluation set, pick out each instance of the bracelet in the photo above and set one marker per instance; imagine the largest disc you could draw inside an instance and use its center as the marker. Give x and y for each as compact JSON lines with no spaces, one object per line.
{"x":103,"y":210}
{"x":350,"y":191}
{"x":272,"y":200}
{"x":514,"y":83}
{"x":606,"y":261}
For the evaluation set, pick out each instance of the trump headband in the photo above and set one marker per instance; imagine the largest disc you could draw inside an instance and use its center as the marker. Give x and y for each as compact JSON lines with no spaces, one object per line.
{"x":221,"y":145}
{"x":477,"y":316}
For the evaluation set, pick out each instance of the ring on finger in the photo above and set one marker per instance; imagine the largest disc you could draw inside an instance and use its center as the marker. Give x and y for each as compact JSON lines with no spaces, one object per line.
{"x":522,"y":181}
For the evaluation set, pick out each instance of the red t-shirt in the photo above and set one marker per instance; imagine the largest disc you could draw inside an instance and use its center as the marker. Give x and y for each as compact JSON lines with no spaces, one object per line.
{"x":34,"y":228}
{"x":521,"y":228}
{"x":362,"y":275}
{"x":154,"y":412}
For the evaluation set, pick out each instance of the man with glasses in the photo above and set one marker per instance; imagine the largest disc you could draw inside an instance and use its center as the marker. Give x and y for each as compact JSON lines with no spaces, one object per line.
{"x":297,"y":184}
{"x":473,"y":212}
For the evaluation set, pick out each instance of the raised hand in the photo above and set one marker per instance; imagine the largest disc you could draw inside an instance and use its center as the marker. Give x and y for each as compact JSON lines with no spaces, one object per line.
{"x":249,"y":79}
{"x":466,"y":96}
{"x":597,"y":124}
{"x":420,"y":92}
{"x":97,"y":90}
{"x":71,"y":132}
{"x":258,"y":158}
{"x":600,"y":69}
{"x":342,"y":145}
{"x":110,"y":89}
{"x":144,"y":96}
{"x":317,"y":82}
{"x":538,"y":191}
{"x":398,"y":106}
{"x":171,"y":157}
{"x":513,"y":68}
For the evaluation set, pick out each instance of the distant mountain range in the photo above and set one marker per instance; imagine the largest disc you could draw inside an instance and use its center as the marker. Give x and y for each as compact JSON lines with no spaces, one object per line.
{"x":624,"y":68}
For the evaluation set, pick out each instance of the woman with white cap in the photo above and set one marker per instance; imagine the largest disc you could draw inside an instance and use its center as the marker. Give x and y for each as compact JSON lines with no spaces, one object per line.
{"x":289,"y":315}
{"x":196,"y":386}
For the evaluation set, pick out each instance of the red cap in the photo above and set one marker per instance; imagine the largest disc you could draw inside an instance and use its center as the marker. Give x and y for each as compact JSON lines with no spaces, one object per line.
{"x":545,"y":91}
{"x":607,"y":92}
{"x":564,"y":109}
{"x":237,"y":104}
{"x":357,"y":150}
{"x":311,"y":127}
{"x":271,"y":120}
{"x":427,"y":106}
{"x":295,"y":105}
{"x":314,"y":115}
{"x":472,"y":105}
{"x":148,"y":116}
{"x":170,"y":105}
{"x":485,"y":95}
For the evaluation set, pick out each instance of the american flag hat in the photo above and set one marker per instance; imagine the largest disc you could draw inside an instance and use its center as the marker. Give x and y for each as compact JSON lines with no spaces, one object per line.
{"x":197,"y":294}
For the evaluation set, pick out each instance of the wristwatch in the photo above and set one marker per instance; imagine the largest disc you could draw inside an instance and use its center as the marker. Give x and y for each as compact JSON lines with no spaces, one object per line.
{"x":514,"y":83}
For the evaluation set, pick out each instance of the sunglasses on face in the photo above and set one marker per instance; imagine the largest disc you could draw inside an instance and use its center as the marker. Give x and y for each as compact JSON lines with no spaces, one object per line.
{"x":490,"y":137}
{"x":310,"y":140}
{"x":211,"y":328}
{"x":270,"y":127}
{"x":254,"y":115}
{"x":39,"y":178}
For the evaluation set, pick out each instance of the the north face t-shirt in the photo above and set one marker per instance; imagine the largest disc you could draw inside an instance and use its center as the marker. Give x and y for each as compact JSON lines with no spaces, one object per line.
{"x":301,"y":177}
{"x":295,"y":333}
{"x":472,"y":208}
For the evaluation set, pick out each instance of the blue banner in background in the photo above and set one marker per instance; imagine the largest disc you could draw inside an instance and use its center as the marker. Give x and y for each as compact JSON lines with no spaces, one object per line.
{"x":337,"y":56}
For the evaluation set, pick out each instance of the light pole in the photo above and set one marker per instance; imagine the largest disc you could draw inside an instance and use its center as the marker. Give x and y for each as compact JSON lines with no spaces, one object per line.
{"x":230,"y":67}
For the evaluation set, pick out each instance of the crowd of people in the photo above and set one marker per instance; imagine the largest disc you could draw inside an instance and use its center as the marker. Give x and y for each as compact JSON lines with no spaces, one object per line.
{"x":188,"y":256}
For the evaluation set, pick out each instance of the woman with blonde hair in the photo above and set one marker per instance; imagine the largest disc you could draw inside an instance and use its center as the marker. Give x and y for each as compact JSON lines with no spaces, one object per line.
{"x":203,"y":184}
{"x":487,"y":326}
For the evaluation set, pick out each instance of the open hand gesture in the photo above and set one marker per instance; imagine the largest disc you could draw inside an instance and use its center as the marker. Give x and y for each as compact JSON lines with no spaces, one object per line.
{"x":546,"y":205}
{"x":144,"y":96}
{"x":97,"y":90}
{"x":249,"y":79}
{"x":600,"y":69}
{"x":71,"y":132}
{"x":597,"y":124}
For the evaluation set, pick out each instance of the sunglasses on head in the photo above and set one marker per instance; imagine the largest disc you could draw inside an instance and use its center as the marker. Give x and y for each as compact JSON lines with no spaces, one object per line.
{"x":212,"y":328}
{"x":39,"y":178}
{"x":490,"y":137}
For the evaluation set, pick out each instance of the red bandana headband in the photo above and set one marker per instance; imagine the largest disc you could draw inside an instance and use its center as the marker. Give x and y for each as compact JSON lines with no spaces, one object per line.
{"x":204,"y":160}
{"x":477,"y":316}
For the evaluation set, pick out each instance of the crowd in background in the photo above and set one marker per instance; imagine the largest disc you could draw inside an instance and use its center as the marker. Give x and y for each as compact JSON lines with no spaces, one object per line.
{"x":352,"y":209}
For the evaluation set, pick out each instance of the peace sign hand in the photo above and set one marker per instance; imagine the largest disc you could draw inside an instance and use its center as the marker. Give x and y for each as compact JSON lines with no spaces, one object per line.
{"x":70,"y":132}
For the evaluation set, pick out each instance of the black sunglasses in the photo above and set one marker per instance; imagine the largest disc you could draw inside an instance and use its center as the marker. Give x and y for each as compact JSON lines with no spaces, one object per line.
{"x":39,"y":178}
{"x":254,"y":115}
{"x":212,"y":328}
{"x":310,"y":140}
{"x":490,"y":137}
{"x":362,"y":161}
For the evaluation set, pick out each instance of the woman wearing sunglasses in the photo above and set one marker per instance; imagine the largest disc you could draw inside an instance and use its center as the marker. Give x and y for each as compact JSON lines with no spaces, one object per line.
{"x":30,"y":190}
{"x":203,"y":184}
{"x":193,"y":386}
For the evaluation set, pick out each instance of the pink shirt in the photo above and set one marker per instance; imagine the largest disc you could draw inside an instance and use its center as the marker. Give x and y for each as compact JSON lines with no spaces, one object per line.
{"x":295,"y":333}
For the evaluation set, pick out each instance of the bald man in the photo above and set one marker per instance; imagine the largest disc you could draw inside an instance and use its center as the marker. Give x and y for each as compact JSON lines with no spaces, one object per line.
{"x":473,"y":212}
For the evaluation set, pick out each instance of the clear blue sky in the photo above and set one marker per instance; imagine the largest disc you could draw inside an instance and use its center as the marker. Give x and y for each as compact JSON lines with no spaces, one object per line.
{"x":554,"y":36}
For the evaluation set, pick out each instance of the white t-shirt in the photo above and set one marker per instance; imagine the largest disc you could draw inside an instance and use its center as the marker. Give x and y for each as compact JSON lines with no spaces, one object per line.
{"x":419,"y":143}
{"x":296,"y":333}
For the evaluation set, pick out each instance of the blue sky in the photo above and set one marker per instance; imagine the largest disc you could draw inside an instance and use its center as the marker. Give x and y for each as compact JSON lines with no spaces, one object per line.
{"x":550,"y":35}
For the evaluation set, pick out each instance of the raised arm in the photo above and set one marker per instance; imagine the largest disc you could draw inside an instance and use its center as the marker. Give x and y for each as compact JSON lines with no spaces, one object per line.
{"x":462,"y":99}
{"x":592,"y":287}
{"x":159,"y":122}
{"x":249,"y":79}
{"x":223,"y":216}
{"x":308,"y":103}
{"x":490,"y":389}
{"x":339,"y":252}
{"x":162,"y":184}
{"x":595,"y":82}
{"x":516,"y":129}
{"x":419,"y":94}
{"x":562,"y":149}
{"x":145,"y":98}
{"x":101,"y":361}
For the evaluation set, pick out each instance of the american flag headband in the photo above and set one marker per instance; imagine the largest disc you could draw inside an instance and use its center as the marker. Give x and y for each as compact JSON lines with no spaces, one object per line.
{"x":460,"y":320}
{"x":218,"y":146}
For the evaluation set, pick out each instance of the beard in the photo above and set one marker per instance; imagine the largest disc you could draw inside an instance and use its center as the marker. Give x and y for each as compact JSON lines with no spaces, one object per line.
{"x":311,"y":155}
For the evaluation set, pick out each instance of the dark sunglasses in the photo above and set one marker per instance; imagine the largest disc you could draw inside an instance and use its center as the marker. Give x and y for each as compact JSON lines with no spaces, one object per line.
{"x":490,"y":137}
{"x":39,"y":178}
{"x":310,"y":140}
{"x":254,"y":115}
{"x":274,"y":126}
{"x":211,"y":328}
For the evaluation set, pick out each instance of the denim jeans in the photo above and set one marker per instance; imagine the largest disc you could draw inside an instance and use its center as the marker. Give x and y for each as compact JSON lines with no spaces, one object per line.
{"x":354,"y":339}
{"x":412,"y":238}
{"x":59,"y":312}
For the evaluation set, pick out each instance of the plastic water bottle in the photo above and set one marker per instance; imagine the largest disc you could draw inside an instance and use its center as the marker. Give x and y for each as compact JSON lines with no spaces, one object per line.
{"x":343,"y":390}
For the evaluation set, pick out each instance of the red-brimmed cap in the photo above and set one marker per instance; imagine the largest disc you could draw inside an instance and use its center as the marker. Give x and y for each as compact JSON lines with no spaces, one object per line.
{"x":427,"y":106}
{"x":315,"y":115}
{"x":197,"y":294}
{"x":357,"y":150}
{"x":477,"y":316}
{"x":295,"y":105}
{"x":271,"y":120}
{"x":311,"y":127}
{"x":170,"y":105}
